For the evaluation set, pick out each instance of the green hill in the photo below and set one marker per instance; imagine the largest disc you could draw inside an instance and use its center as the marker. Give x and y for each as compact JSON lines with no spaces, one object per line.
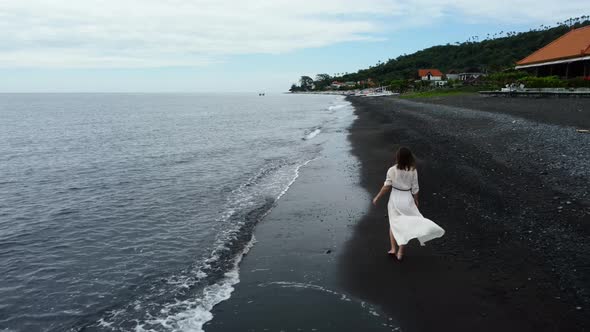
{"x":493,"y":54}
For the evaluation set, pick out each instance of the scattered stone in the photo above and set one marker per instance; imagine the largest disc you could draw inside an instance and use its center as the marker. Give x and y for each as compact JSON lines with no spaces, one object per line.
{"x":328,"y":251}
{"x":568,"y":202}
{"x":578,"y":308}
{"x":560,"y":207}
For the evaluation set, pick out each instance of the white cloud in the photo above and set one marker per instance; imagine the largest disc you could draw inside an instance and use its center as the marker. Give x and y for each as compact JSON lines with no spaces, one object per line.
{"x":152,"y":33}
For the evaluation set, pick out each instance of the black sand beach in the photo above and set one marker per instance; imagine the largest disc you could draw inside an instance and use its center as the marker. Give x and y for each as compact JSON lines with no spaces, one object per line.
{"x":561,"y":111}
{"x":512,"y":195}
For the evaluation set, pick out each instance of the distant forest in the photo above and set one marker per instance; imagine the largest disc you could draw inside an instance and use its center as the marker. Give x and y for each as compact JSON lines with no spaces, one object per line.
{"x":489,"y":54}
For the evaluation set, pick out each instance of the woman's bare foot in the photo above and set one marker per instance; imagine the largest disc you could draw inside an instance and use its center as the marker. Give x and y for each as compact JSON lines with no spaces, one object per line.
{"x":393,"y":244}
{"x":400,"y":253}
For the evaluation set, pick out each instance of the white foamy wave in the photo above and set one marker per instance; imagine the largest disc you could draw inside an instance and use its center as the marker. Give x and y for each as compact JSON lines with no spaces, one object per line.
{"x":198,"y":311}
{"x":289,"y":284}
{"x":203,"y":282}
{"x":312,"y":134}
{"x":343,"y":297}
{"x":273,"y":180}
{"x":295,"y":176}
{"x":337,"y":107}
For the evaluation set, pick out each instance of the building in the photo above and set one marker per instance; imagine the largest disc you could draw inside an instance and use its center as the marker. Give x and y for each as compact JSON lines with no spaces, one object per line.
{"x":336,"y":85}
{"x":568,"y":56}
{"x":469,"y":76}
{"x":430,"y":74}
{"x":452,"y":75}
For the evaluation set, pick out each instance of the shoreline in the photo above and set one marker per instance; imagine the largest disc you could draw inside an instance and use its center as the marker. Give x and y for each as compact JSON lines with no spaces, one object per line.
{"x":502,"y":265}
{"x":289,"y":279}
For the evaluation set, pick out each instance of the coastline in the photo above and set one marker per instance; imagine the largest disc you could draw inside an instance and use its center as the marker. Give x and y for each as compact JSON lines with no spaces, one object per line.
{"x":320,"y":260}
{"x":503,"y":264}
{"x":289,"y":279}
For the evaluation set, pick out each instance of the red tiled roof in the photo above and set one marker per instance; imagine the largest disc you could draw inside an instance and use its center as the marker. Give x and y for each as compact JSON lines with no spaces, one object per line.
{"x":433,"y":72}
{"x":573,"y":44}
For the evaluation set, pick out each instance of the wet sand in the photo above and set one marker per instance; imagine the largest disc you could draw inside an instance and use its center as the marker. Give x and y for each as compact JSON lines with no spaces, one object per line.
{"x":508,"y":180}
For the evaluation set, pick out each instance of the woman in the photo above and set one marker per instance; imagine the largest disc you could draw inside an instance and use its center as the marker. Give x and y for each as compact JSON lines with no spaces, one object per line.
{"x":405,"y":221}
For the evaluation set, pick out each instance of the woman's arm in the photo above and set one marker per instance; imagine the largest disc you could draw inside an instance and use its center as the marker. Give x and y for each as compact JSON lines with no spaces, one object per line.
{"x":384,"y":190}
{"x":415,"y":187}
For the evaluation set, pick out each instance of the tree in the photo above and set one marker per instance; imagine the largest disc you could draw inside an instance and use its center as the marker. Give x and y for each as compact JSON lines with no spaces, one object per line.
{"x":322,"y":78}
{"x":306,"y":83}
{"x":322,"y":81}
{"x":400,"y":86}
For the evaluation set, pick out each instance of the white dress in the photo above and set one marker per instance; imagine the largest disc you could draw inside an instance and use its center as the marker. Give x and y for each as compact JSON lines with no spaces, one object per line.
{"x":405,"y":219}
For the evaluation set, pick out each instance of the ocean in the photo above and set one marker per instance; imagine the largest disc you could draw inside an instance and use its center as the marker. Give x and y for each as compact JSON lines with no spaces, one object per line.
{"x":132,"y":211}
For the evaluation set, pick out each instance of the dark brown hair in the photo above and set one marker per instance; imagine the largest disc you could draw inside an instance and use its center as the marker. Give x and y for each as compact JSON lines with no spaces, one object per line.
{"x":405,"y":159}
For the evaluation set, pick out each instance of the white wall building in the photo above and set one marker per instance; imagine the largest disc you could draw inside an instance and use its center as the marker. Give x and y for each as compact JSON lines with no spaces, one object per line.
{"x":430,"y":74}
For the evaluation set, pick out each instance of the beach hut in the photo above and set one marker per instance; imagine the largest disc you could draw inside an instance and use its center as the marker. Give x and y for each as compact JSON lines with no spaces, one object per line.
{"x":567,"y":56}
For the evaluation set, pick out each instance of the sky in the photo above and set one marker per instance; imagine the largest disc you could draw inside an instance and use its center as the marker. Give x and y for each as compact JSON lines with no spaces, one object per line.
{"x":234,"y":45}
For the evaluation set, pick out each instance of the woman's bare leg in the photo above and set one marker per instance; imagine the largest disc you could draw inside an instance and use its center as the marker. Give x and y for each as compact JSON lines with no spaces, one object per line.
{"x":393,"y":244}
{"x":400,"y":252}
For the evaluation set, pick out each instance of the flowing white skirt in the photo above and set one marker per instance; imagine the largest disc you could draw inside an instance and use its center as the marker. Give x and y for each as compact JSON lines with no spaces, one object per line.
{"x":407,"y":222}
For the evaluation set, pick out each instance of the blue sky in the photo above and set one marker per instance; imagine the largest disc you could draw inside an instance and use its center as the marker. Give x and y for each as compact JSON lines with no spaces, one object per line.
{"x":255,"y":45}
